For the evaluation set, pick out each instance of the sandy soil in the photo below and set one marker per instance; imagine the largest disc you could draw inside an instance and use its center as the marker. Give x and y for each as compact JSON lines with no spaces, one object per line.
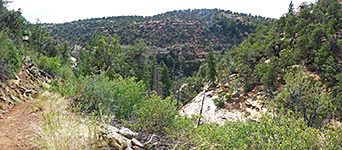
{"x":17,"y":127}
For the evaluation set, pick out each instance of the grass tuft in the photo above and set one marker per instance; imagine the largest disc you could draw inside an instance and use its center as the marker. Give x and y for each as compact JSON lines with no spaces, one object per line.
{"x":60,"y":129}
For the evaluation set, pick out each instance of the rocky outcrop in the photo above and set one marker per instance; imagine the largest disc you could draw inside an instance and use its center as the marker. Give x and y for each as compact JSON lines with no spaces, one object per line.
{"x":23,"y":86}
{"x":211,"y":113}
{"x":119,"y":139}
{"x":237,"y":105}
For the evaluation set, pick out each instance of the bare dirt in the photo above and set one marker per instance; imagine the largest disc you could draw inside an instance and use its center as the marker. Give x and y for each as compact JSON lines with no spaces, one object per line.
{"x":17,"y":127}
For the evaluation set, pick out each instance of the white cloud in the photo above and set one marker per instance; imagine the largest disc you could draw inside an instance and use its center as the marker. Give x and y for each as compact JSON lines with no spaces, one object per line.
{"x":69,"y":10}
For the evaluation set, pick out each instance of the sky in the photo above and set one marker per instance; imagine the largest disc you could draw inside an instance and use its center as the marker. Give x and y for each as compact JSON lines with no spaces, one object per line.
{"x":59,"y":11}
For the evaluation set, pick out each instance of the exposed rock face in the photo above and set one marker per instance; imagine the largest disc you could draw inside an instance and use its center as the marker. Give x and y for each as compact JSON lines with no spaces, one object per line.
{"x":211,"y":113}
{"x":119,"y":139}
{"x":23,"y":86}
{"x":238,"y":107}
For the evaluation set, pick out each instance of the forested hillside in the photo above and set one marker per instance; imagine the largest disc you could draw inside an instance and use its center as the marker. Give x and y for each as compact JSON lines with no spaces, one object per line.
{"x":311,"y":39}
{"x":173,"y":35}
{"x":200,"y":27}
{"x":287,"y":70}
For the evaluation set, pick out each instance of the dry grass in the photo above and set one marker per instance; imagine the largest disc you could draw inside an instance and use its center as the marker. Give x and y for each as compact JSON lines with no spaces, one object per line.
{"x":60,"y":128}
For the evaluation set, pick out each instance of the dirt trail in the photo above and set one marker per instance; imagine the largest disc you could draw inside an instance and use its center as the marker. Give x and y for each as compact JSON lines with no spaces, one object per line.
{"x":17,"y":127}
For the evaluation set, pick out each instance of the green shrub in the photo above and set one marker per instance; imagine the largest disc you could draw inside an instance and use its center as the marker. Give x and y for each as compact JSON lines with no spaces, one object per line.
{"x":280,"y":132}
{"x":156,"y":114}
{"x":70,"y":88}
{"x":66,"y":73}
{"x":228,"y":97}
{"x":219,"y":102}
{"x":304,"y":98}
{"x":49,"y":64}
{"x":222,"y":94}
{"x":9,"y":56}
{"x":120,"y":97}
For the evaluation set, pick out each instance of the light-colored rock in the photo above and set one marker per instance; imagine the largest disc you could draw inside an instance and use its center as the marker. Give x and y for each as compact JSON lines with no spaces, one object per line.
{"x":74,"y":60}
{"x":28,"y":60}
{"x":16,"y":82}
{"x":222,"y":90}
{"x":119,"y":139}
{"x":115,"y":145}
{"x":45,"y":85}
{"x":136,"y":143}
{"x":261,"y":93}
{"x":211,"y":113}
{"x":226,"y":85}
{"x":232,"y":76}
{"x":136,"y":148}
{"x":34,"y":70}
{"x":129,"y":148}
{"x":267,"y":61}
{"x":127,"y":143}
{"x":28,"y":91}
{"x":127,"y":133}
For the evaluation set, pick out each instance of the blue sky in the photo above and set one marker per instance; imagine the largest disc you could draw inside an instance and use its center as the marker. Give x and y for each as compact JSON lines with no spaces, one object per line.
{"x":59,"y":11}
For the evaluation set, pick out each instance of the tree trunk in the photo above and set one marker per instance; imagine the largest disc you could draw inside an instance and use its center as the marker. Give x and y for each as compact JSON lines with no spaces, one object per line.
{"x":199,"y":119}
{"x":157,"y":76}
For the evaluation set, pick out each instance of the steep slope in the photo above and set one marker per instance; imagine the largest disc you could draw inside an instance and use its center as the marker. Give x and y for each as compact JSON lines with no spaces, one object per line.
{"x":311,"y":38}
{"x":176,"y":34}
{"x":295,"y":63}
{"x":18,"y":115}
{"x":200,"y":27}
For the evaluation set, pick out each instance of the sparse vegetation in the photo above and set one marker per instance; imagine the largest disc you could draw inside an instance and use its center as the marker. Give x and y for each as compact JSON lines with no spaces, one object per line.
{"x":296,"y":63}
{"x":228,"y":96}
{"x":219,"y":102}
{"x":61,"y":129}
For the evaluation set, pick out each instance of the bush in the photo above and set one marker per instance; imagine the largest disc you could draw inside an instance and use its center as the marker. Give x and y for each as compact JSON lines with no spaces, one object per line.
{"x":228,"y":97}
{"x":280,"y":132}
{"x":49,"y":64}
{"x":9,"y":56}
{"x":219,"y":102}
{"x":120,"y":97}
{"x":222,"y":94}
{"x":66,"y":73}
{"x":304,"y":98}
{"x":156,"y":114}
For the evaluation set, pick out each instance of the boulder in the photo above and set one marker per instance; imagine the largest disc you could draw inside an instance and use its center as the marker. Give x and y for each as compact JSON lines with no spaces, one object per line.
{"x":35,"y":71}
{"x":253,"y":104}
{"x":16,"y":82}
{"x":267,"y":61}
{"x":136,"y":148}
{"x":28,"y":60}
{"x":127,"y":133}
{"x":136,"y":143}
{"x":226,"y":85}
{"x":119,"y":138}
{"x":115,"y":145}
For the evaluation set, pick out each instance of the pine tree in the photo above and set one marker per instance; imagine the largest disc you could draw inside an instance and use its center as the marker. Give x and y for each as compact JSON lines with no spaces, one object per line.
{"x":291,"y":8}
{"x":151,"y":67}
{"x":211,"y":66}
{"x":165,"y":79}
